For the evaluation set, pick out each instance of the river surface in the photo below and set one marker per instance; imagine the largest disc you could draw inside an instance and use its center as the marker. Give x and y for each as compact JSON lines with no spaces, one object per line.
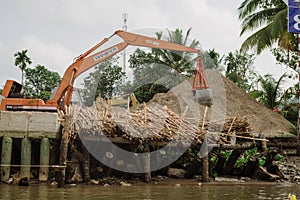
{"x":190,"y":191}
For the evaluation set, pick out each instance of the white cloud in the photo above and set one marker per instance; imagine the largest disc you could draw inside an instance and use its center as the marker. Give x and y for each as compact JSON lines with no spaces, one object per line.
{"x":7,"y":69}
{"x":52,"y":55}
{"x":55,"y":31}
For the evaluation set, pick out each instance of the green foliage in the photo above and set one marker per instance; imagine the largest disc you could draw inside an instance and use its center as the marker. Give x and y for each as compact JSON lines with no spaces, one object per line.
{"x":21,"y":61}
{"x":103,"y":81}
{"x":212,"y":60}
{"x":279,"y":157}
{"x":270,"y":90}
{"x":286,"y":58}
{"x":226,"y":153}
{"x":162,"y":67}
{"x":182,"y":62}
{"x":240,"y":70}
{"x":268,"y":20}
{"x":261,"y":161}
{"x":40,"y":82}
{"x":146,"y":92}
{"x":243,"y":160}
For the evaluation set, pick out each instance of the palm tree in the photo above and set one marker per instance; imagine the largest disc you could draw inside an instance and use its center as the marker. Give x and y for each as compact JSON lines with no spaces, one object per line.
{"x":212,"y":60}
{"x":180,"y":61}
{"x":163,"y":67}
{"x":270,"y":90}
{"x":21,"y":61}
{"x":269,"y":19}
{"x":240,"y":69}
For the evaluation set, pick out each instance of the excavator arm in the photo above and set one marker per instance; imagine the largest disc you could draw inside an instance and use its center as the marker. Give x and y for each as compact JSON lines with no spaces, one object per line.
{"x":89,"y":59}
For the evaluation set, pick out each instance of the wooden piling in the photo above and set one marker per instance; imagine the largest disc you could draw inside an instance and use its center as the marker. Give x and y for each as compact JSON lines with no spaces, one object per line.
{"x":194,"y":168}
{"x":234,"y":156}
{"x":6,"y":158}
{"x":44,"y":159}
{"x":204,"y":147}
{"x":251,"y":167}
{"x":263,"y":146}
{"x":220,"y":164}
{"x":64,"y":149}
{"x":86,"y":165}
{"x":233,"y":138}
{"x":147,"y":165}
{"x":25,"y":157}
{"x":205,"y":167}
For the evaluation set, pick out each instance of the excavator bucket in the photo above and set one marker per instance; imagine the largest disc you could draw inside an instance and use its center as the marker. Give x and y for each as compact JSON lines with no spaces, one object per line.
{"x":203,"y":94}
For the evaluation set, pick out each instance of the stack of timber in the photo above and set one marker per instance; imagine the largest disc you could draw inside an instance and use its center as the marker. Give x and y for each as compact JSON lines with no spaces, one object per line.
{"x":150,"y":123}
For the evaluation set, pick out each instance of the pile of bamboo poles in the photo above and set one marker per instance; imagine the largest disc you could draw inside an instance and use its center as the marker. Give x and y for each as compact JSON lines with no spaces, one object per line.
{"x":238,"y":125}
{"x":149,"y":123}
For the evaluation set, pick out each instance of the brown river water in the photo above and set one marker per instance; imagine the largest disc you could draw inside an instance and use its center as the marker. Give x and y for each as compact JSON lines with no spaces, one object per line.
{"x":189,"y":191}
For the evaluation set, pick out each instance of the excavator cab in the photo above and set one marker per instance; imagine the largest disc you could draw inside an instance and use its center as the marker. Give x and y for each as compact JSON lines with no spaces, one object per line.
{"x":203,"y":94}
{"x":12,"y":89}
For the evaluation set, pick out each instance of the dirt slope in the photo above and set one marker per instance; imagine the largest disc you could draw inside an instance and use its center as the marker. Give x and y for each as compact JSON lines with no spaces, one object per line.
{"x":229,"y":101}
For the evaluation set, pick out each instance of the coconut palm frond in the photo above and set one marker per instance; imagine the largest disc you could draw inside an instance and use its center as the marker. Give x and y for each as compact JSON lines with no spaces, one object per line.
{"x":247,"y":7}
{"x":258,"y":41}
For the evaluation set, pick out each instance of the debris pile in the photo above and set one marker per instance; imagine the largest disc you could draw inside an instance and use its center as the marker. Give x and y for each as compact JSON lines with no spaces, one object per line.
{"x":163,"y":119}
{"x":151,"y":123}
{"x":288,"y":171}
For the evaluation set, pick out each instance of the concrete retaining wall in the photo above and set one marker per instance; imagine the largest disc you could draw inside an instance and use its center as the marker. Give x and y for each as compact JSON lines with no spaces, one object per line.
{"x":28,"y":124}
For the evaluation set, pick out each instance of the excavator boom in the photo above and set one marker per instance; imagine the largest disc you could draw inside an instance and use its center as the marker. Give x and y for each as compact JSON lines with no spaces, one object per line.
{"x":90,"y":58}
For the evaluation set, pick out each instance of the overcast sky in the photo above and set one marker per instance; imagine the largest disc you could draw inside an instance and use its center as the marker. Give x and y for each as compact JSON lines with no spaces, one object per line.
{"x":56,"y":31}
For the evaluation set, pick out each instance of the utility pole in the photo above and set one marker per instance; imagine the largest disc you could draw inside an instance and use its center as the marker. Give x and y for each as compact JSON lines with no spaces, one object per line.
{"x":124,"y":27}
{"x":293,"y":27}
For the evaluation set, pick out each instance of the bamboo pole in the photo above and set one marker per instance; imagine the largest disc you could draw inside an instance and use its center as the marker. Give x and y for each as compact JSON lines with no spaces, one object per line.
{"x":249,"y":138}
{"x":204,"y":116}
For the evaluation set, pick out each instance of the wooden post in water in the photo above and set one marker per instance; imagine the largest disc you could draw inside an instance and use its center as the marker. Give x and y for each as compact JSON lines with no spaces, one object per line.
{"x":44,"y":159}
{"x":86,"y":165}
{"x":205,"y":167}
{"x":147,"y":164}
{"x":64,"y":149}
{"x":25,"y":157}
{"x":6,"y":158}
{"x":204,"y":147}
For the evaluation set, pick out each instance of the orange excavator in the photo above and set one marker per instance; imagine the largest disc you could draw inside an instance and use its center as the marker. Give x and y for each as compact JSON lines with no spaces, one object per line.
{"x":12,"y":100}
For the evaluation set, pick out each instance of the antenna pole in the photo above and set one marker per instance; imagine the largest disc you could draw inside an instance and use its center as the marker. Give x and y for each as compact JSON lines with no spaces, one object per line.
{"x":124,"y":27}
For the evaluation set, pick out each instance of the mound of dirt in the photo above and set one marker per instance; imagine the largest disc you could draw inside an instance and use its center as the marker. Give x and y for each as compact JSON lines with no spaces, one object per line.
{"x":228,"y":101}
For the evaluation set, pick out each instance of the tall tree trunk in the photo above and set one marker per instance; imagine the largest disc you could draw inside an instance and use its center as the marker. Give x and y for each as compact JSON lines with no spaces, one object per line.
{"x":22,"y":78}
